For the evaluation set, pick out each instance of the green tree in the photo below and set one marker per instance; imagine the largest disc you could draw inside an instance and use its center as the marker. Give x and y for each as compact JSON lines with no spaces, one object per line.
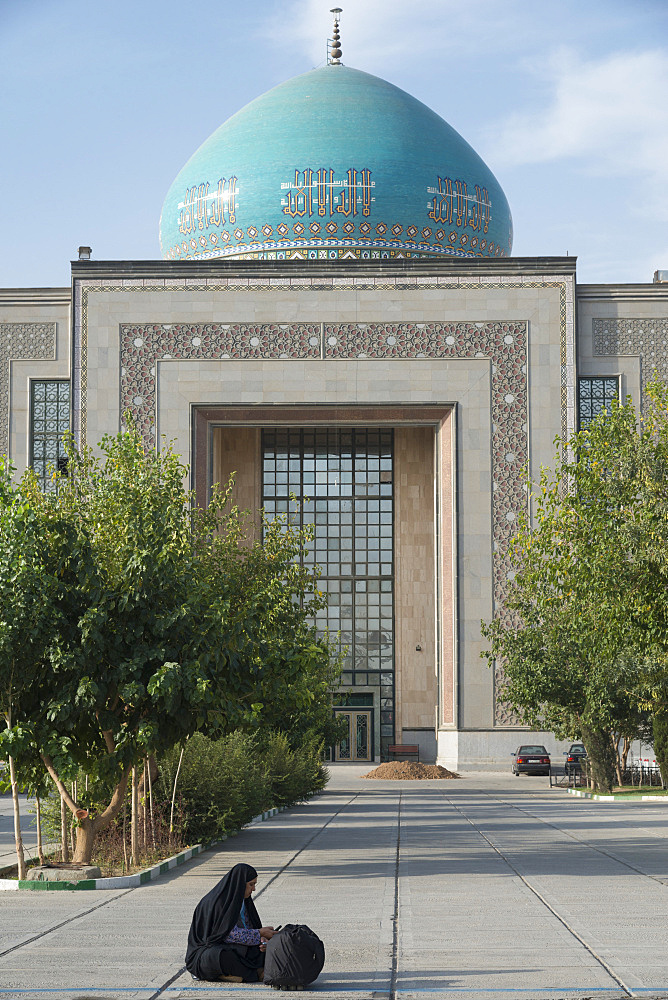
{"x":39,"y":560}
{"x":176,"y":626}
{"x":660,"y":736}
{"x":577,"y":606}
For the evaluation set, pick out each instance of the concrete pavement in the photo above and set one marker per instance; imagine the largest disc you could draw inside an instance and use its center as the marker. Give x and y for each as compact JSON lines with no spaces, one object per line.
{"x":483,"y":888}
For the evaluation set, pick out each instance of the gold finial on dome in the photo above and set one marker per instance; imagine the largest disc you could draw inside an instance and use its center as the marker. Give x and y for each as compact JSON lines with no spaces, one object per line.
{"x":335,"y":47}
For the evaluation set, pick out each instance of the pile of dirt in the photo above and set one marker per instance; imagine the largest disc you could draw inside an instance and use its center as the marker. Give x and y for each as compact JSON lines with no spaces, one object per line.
{"x":409,"y":770}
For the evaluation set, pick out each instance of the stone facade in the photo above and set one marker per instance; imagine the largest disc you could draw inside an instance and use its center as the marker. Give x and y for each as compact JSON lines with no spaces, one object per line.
{"x":473,"y":363}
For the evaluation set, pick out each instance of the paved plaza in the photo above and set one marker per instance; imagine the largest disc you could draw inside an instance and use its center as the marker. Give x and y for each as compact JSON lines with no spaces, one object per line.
{"x":488,"y":887}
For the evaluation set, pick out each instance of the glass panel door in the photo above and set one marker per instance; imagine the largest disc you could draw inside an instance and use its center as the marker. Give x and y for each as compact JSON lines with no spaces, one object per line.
{"x":361,"y":721}
{"x":344,"y":748}
{"x":356,"y":744}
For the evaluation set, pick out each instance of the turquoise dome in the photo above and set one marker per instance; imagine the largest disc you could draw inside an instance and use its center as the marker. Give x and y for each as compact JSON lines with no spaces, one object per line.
{"x":335,"y":163}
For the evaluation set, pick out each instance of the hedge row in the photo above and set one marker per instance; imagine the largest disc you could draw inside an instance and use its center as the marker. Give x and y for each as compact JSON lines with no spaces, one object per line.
{"x":223,"y":783}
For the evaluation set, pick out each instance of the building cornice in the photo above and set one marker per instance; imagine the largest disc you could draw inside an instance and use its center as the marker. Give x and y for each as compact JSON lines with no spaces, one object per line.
{"x":621,"y":293}
{"x":35,"y":296}
{"x":469,"y":268}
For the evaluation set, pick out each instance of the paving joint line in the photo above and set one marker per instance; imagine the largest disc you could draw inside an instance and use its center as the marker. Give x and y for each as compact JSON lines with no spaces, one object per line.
{"x":571,"y":930}
{"x":264,"y":888}
{"x":123,"y":892}
{"x":77,"y":916}
{"x":395,"y":915}
{"x":578,"y":840}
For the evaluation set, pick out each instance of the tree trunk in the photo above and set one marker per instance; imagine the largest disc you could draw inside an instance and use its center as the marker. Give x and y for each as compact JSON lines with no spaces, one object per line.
{"x":86,"y":832}
{"x":626,"y":746}
{"x":64,"y":846}
{"x":601,"y":756}
{"x":615,"y":746}
{"x":88,"y":828}
{"x":148,"y":776}
{"x":142,"y":801}
{"x":171,"y":814}
{"x":134,"y":816}
{"x":20,"y":857}
{"x":150,"y":800}
{"x":125,"y":834}
{"x":38,"y":823}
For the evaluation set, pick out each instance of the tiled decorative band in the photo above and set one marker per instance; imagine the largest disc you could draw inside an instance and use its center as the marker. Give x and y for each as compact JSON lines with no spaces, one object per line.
{"x":21,"y":342}
{"x":328,"y":249}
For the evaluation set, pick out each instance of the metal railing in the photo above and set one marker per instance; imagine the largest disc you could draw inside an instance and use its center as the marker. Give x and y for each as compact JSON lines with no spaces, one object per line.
{"x":576,"y":775}
{"x":567,"y":776}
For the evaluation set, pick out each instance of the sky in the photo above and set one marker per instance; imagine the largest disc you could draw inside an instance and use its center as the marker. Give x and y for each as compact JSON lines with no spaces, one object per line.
{"x":102,"y":103}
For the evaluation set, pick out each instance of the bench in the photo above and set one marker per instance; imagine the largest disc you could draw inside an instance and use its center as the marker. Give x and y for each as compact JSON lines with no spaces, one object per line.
{"x":406,"y":750}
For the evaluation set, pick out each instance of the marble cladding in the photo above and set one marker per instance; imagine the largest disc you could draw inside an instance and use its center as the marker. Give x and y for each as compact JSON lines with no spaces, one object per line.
{"x":237,"y":451}
{"x":152,"y":287}
{"x":415,"y":578}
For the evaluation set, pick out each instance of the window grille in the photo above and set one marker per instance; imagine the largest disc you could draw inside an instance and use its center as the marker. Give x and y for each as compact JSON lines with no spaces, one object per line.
{"x":49,"y":420}
{"x":595,"y":394}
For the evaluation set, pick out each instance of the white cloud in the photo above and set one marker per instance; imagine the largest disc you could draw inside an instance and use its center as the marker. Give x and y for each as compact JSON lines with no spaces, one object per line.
{"x":611,"y":114}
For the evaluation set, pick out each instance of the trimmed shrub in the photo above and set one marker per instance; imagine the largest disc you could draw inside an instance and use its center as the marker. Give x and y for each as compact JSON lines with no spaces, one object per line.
{"x":293,"y":775}
{"x":224,"y":783}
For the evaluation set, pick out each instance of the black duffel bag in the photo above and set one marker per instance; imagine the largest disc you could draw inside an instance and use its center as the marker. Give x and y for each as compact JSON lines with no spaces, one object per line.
{"x":294,"y":958}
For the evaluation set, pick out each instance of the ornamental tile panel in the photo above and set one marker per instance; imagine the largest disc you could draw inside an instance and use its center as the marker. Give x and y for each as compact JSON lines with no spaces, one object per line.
{"x":647,"y":338}
{"x":21,"y":342}
{"x":144,"y":345}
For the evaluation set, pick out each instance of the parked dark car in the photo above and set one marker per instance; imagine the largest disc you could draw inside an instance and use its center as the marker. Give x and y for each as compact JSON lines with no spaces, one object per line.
{"x":531,"y":759}
{"x":574,"y":758}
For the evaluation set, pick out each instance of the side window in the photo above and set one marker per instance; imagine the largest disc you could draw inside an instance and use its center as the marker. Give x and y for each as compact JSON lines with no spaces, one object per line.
{"x":49,"y":420}
{"x":595,"y":394}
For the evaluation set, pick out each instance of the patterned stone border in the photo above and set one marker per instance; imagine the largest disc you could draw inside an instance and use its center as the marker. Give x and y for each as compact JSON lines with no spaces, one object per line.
{"x":645,"y":337}
{"x":505,"y":344}
{"x":21,"y":342}
{"x":130,"y":881}
{"x":142,"y":344}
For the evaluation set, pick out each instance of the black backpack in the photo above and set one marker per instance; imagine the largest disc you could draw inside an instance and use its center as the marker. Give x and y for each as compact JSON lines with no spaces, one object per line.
{"x":294,"y":958}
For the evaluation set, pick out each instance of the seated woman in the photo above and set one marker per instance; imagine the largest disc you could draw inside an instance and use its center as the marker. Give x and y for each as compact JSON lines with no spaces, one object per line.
{"x":226,"y":939}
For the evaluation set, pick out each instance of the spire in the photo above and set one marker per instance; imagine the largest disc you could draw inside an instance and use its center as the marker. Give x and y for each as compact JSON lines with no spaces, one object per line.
{"x":335,"y":49}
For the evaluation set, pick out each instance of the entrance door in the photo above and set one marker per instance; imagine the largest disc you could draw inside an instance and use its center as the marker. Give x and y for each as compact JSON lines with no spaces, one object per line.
{"x":356,"y":744}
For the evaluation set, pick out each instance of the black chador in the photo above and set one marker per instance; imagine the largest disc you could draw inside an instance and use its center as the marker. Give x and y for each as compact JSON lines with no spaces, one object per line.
{"x":208,"y":955}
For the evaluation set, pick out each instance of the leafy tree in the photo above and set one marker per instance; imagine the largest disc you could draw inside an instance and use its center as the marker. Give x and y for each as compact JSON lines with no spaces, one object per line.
{"x":39,"y":559}
{"x":174,"y":626}
{"x":577,"y":605}
{"x":660,"y":735}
